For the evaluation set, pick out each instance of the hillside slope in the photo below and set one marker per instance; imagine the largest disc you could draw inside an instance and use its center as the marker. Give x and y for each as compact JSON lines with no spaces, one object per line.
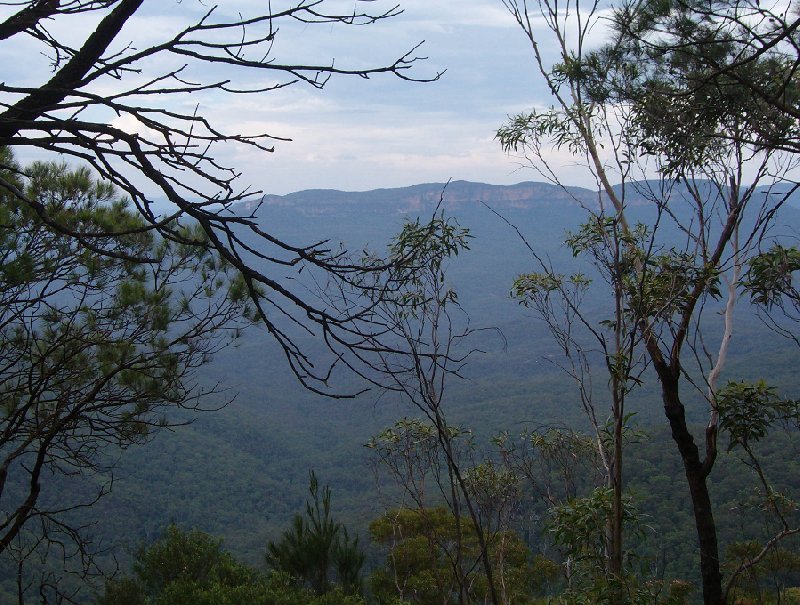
{"x":240,"y":473}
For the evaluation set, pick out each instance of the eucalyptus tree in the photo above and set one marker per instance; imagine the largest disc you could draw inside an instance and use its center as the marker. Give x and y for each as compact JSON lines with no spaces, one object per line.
{"x":700,"y":161}
{"x":428,"y":335}
{"x":419,"y":569}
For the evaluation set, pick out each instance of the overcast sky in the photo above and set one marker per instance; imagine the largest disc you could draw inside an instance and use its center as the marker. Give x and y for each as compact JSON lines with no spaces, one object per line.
{"x":358,"y":134}
{"x":384,"y":132}
{"x":364,"y":134}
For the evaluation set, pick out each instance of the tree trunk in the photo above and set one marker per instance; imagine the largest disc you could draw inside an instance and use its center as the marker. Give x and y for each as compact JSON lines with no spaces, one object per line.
{"x":696,"y":475}
{"x":617,"y":510}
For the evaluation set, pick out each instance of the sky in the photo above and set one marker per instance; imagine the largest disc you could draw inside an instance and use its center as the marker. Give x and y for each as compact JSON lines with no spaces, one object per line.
{"x":384,"y":132}
{"x":358,"y":134}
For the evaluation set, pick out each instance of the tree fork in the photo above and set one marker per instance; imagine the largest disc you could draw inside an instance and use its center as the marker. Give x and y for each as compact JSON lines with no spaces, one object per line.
{"x":68,"y":77}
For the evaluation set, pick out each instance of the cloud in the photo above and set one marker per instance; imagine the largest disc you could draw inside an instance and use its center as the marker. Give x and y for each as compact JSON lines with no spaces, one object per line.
{"x":356,"y":133}
{"x":375,"y":153}
{"x":454,"y":13}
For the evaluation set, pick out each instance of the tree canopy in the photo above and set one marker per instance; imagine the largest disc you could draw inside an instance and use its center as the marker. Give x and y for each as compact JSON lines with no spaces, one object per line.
{"x":192,"y":568}
{"x":95,"y":350}
{"x":686,"y":109}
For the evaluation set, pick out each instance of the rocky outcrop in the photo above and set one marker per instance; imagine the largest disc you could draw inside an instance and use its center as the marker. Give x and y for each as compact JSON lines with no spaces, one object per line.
{"x":452,"y":196}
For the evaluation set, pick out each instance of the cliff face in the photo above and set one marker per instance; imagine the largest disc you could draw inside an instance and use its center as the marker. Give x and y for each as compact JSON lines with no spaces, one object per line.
{"x":453,"y":196}
{"x":461,"y":195}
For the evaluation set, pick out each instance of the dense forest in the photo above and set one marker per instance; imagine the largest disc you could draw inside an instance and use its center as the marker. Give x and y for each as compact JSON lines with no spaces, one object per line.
{"x":445,"y":393}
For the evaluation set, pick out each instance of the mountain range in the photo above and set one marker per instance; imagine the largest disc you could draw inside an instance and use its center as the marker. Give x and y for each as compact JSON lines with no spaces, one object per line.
{"x":241,"y":473}
{"x":453,"y":196}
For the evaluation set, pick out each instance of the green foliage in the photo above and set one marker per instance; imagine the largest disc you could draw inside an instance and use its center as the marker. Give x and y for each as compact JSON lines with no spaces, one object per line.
{"x":748,"y":411}
{"x":413,"y":432}
{"x":418,"y":255}
{"x":579,"y":525}
{"x":421,"y":558}
{"x":316,"y":549}
{"x":767,"y":578}
{"x":531,"y":286}
{"x":493,"y":487}
{"x":656,"y":285}
{"x":769,"y":277}
{"x":670,"y":283}
{"x":92,"y":302}
{"x":428,"y":244}
{"x":102,"y":328}
{"x":191,"y":568}
{"x":700,"y":82}
{"x":539,"y":127}
{"x":179,"y":563}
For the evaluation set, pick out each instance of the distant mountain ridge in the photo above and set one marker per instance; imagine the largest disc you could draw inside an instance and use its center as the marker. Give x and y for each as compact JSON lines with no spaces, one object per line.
{"x":455,"y":195}
{"x":418,"y":198}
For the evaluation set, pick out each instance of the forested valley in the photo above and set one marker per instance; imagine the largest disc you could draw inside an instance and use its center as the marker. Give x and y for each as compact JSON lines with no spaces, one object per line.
{"x":445,"y":393}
